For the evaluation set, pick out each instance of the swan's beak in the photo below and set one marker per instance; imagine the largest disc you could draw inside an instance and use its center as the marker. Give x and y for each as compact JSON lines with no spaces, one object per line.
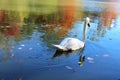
{"x":88,"y":24}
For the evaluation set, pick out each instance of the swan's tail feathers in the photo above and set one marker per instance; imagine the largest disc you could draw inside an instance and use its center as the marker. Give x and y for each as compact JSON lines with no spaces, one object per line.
{"x":59,"y":47}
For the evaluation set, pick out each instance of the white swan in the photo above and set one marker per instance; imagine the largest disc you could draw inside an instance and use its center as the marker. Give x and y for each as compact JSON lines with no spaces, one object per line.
{"x":74,"y":43}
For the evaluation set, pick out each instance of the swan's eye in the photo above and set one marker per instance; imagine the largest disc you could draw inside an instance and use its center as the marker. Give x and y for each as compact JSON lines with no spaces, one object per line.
{"x":88,"y":24}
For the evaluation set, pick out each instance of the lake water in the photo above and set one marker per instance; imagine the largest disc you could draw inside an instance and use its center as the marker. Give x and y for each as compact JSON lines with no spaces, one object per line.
{"x":29,"y":28}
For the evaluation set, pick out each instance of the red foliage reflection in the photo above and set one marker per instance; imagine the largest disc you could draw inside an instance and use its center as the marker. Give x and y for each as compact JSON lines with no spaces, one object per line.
{"x":1,"y":16}
{"x":11,"y":31}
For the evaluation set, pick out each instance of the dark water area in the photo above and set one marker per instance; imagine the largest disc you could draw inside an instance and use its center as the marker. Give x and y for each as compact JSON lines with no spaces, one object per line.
{"x":28,"y":30}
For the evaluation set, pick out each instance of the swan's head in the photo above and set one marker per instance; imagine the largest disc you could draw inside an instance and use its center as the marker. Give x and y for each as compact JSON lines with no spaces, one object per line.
{"x":88,"y":21}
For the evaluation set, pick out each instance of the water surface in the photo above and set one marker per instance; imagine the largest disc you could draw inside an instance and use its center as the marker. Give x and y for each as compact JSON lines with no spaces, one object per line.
{"x":29,"y":28}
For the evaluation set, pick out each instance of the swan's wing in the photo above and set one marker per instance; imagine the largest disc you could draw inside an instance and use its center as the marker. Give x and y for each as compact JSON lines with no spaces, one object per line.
{"x":59,"y":47}
{"x":65,"y":42}
{"x":74,"y":44}
{"x":70,"y":44}
{"x":62,"y":45}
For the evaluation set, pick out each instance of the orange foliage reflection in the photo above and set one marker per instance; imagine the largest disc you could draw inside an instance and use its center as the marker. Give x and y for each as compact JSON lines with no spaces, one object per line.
{"x":109,"y":15}
{"x":69,"y":13}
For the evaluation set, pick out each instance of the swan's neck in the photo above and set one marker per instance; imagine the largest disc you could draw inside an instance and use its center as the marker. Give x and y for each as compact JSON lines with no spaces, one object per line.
{"x":84,"y":32}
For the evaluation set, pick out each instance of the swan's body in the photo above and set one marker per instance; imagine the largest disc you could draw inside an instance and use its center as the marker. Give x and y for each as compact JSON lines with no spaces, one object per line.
{"x":70,"y":44}
{"x":73,"y":43}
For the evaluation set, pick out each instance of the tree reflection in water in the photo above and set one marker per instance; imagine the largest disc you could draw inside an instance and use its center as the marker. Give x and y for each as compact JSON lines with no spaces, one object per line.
{"x":29,"y":27}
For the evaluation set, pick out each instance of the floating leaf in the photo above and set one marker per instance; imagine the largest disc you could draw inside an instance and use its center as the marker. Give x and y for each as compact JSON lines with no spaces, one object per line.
{"x":90,"y":58}
{"x":91,"y":61}
{"x":19,"y":48}
{"x":22,"y":45}
{"x":30,"y":48}
{"x":105,"y":55}
{"x":68,"y":67}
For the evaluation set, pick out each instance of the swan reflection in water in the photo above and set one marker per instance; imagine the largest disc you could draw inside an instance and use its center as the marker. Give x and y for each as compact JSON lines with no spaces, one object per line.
{"x":81,"y":59}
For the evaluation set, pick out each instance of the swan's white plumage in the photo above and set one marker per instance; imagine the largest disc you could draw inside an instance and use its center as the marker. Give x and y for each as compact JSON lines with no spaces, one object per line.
{"x":73,"y":43}
{"x":70,"y":44}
